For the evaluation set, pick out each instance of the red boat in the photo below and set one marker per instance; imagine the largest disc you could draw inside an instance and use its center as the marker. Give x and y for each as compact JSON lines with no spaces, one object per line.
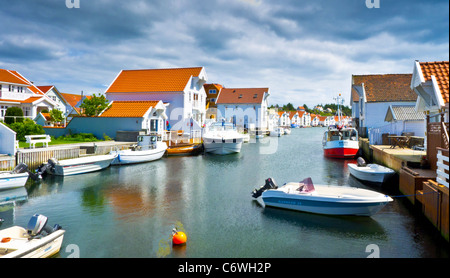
{"x":339,"y":141}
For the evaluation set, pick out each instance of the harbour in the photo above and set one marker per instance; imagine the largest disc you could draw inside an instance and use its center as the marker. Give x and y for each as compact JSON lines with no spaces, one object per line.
{"x":129,"y":211}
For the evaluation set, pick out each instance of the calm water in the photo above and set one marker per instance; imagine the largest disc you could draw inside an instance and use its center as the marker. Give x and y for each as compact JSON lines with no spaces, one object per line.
{"x":129,"y":211}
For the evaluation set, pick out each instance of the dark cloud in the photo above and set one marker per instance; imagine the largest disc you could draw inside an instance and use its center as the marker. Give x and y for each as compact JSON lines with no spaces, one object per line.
{"x":292,"y":46}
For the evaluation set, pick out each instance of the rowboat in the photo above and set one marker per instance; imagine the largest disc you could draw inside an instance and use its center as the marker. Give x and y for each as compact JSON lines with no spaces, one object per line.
{"x":370,"y":172}
{"x":187,"y":149}
{"x":322,"y":199}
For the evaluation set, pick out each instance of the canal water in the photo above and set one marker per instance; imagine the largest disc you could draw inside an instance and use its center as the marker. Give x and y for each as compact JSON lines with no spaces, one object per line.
{"x":130,"y":211}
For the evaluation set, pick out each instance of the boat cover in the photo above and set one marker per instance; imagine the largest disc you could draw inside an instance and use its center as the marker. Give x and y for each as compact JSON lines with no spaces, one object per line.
{"x":306,"y":186}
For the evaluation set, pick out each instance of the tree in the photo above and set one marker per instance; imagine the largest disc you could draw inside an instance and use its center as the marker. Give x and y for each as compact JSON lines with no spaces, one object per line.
{"x":56,"y":115}
{"x":13,"y":115}
{"x":94,"y":105}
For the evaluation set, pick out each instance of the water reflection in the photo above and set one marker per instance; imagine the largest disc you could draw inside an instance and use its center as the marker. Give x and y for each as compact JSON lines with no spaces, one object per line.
{"x":9,"y":200}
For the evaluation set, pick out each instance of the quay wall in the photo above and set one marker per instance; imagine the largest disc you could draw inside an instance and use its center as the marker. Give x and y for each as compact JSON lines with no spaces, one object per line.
{"x":417,"y":184}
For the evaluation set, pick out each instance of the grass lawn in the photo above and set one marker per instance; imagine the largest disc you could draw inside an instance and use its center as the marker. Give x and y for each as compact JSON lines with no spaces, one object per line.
{"x":62,"y":140}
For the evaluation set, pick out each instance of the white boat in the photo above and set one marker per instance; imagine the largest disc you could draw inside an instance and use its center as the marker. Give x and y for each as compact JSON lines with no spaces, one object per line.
{"x":370,"y":172}
{"x":79,"y":165}
{"x":148,"y":149}
{"x":37,"y":241}
{"x":287,"y":130}
{"x":15,"y":178}
{"x":222,"y":138}
{"x":276,"y":132}
{"x":322,"y":199}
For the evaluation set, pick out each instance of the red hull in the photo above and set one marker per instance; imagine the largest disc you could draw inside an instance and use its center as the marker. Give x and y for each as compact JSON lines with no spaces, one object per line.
{"x":340,"y":152}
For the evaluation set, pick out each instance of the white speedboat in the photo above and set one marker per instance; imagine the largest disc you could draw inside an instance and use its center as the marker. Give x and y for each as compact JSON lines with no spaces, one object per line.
{"x":15,"y":178}
{"x":370,"y":172}
{"x":322,"y":199}
{"x":37,"y":241}
{"x":148,"y":149}
{"x":222,"y":138}
{"x":79,"y":165}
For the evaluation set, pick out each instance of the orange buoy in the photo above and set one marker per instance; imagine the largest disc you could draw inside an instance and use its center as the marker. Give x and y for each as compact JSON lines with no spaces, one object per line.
{"x":6,"y":239}
{"x":179,"y":238}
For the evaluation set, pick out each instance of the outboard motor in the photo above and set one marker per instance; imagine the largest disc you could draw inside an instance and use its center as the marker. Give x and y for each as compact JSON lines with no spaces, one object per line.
{"x":360,"y":162}
{"x":270,"y":184}
{"x":51,"y":165}
{"x":21,"y":168}
{"x":38,"y":224}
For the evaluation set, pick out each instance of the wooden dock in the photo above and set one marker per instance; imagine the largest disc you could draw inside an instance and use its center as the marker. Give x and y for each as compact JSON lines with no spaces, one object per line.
{"x":35,"y":157}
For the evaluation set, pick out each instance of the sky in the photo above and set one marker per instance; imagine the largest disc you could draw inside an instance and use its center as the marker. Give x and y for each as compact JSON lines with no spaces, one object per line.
{"x":304,"y":51}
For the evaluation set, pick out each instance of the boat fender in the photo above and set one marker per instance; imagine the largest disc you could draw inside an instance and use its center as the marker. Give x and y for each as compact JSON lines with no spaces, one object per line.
{"x":6,"y":239}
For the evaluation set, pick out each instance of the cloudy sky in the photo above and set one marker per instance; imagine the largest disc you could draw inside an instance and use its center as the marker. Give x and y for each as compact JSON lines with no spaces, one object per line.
{"x":305,"y":51}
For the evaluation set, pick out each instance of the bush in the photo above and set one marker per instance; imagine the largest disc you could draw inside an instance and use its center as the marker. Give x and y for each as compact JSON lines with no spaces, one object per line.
{"x":27,"y":127}
{"x":13,"y":111}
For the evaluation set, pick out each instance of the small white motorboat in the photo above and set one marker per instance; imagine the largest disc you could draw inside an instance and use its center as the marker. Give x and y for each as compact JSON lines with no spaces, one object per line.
{"x":276,"y":132}
{"x":15,"y":178}
{"x":322,"y":199}
{"x":287,"y":130}
{"x":222,"y":138}
{"x":37,"y":241}
{"x":79,"y":165}
{"x":148,"y":149}
{"x":370,"y":172}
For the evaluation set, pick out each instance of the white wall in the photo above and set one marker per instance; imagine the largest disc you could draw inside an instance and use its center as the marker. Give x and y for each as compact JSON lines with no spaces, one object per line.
{"x":375,"y":112}
{"x":7,"y":140}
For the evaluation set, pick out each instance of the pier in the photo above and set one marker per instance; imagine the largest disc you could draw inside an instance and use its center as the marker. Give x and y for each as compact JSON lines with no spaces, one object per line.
{"x":417,"y":182}
{"x":35,"y":157}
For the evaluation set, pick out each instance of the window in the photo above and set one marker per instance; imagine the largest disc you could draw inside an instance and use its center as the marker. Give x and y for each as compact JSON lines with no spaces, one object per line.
{"x":213,"y":91}
{"x":11,"y":88}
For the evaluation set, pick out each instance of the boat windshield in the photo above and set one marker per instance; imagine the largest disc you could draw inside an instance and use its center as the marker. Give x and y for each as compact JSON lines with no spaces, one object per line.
{"x":219,"y":126}
{"x":306,"y":186}
{"x":344,"y":134}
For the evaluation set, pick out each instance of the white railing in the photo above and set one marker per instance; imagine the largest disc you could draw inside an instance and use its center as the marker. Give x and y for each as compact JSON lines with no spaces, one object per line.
{"x":442,"y":176}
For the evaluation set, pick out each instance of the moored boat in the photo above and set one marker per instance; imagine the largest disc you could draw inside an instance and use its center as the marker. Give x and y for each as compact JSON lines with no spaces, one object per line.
{"x":185,"y":149}
{"x":222,"y":138}
{"x":37,"y":241}
{"x":79,"y":165}
{"x":374,"y":173}
{"x":340,"y":141}
{"x":148,"y":149}
{"x":322,"y":199}
{"x":15,"y":178}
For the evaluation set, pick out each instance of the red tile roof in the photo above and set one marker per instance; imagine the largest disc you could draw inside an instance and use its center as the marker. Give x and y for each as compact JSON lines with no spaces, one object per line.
{"x":153,"y":80}
{"x":8,"y":76}
{"x":45,"y":89}
{"x":128,"y":109}
{"x":241,"y":95}
{"x":440,"y":71}
{"x":386,"y":87}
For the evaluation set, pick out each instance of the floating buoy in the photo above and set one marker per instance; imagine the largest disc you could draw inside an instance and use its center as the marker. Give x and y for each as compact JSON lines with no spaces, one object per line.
{"x":6,"y":239}
{"x":178,"y":237}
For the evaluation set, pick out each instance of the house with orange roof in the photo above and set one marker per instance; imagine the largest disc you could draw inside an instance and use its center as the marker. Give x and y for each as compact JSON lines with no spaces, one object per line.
{"x":182,"y":88}
{"x":244,"y":107}
{"x":133,"y":116}
{"x":315,"y":121}
{"x":212,"y":92}
{"x":372,"y":94}
{"x":17,"y":91}
{"x":430,"y":81}
{"x":284,"y":119}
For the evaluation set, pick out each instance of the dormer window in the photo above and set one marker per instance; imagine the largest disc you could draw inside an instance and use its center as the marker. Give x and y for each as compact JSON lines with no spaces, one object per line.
{"x":213,"y":91}
{"x":255,"y":96}
{"x":240,"y":95}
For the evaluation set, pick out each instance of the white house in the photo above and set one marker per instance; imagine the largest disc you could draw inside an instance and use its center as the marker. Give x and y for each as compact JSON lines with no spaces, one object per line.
{"x":245,"y":107}
{"x":315,"y":121}
{"x":284,"y":119}
{"x":7,"y":140}
{"x":430,"y":82}
{"x":373,"y":94}
{"x":17,"y":91}
{"x":182,"y":88}
{"x":405,"y":119}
